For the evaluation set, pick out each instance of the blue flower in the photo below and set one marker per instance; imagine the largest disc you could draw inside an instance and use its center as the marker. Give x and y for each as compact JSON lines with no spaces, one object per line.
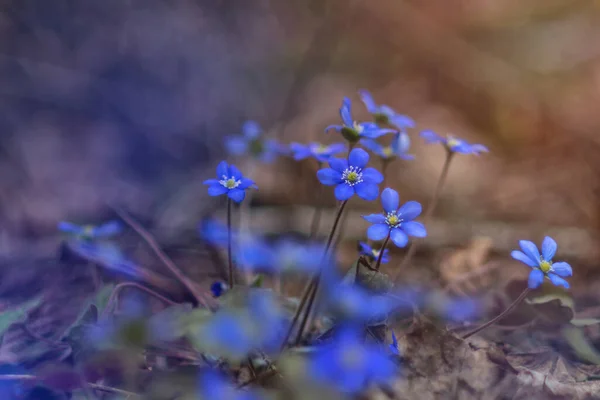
{"x":351,"y":302}
{"x":398,"y":148}
{"x":284,"y":256}
{"x":227,"y":334}
{"x":213,"y":385}
{"x":396,"y":222}
{"x":373,"y":254}
{"x":384,"y":114}
{"x":454,"y":144}
{"x":350,"y":365}
{"x":354,"y":131}
{"x":352,"y":177}
{"x":214,"y":232}
{"x":89,"y":232}
{"x":231,"y":181}
{"x":218,"y":288}
{"x":542,"y":263}
{"x":251,"y":142}
{"x":322,"y":153}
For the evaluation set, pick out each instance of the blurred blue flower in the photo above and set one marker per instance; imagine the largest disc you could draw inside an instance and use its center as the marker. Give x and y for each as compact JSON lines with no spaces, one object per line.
{"x":251,"y":142}
{"x":384,"y":114}
{"x":394,"y":345}
{"x":396,"y":221}
{"x":454,"y":144}
{"x":269,"y":318}
{"x":228,"y":334}
{"x":213,"y":385}
{"x":352,"y":177}
{"x":353,"y":131}
{"x":90,"y":232}
{"x":373,"y":254}
{"x":229,"y":181}
{"x":218,"y":288}
{"x":214,"y":232}
{"x":281,"y":257}
{"x":461,"y":309}
{"x":349,"y":365}
{"x":542,"y":263}
{"x":351,"y":302}
{"x":322,"y":153}
{"x":397,"y":149}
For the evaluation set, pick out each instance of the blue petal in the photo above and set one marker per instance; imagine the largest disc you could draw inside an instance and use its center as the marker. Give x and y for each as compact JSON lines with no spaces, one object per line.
{"x":236,"y":145}
{"x":358,"y":158}
{"x":432,"y":137}
{"x":237,"y":195}
{"x":251,"y":130}
{"x":343,"y":191}
{"x":536,"y":277}
{"x":375,"y":218}
{"x":217,"y":190}
{"x":558,"y":281}
{"x":336,"y":148}
{"x":222,"y":170}
{"x":372,"y":145}
{"x":300,"y":151}
{"x":329,"y":176}
{"x":374,"y":132}
{"x":401,"y":143}
{"x":414,"y":228}
{"x":548,"y":248}
{"x":402,"y":121}
{"x":108,"y":229}
{"x":338,"y":164}
{"x":371,"y":175}
{"x":520,"y":256}
{"x":365,"y":248}
{"x":334,"y":127}
{"x":390,"y":200}
{"x":211,"y":182}
{"x":378,"y":231}
{"x":346,"y":112}
{"x":410,"y":210}
{"x":479,"y":148}
{"x":234,"y":172}
{"x":399,"y":238}
{"x":531,"y":250}
{"x":367,"y":99}
{"x":367,"y":191}
{"x":246,"y":183}
{"x":562,"y":269}
{"x":68,"y":227}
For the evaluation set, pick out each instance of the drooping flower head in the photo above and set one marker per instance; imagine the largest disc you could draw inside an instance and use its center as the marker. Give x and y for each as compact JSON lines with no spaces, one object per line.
{"x":542,"y":264}
{"x":373,"y":254}
{"x":90,"y":232}
{"x":397,"y":149}
{"x":395,"y":221}
{"x":321,"y":153}
{"x":229,"y":181}
{"x":384,"y":114}
{"x":350,"y":365}
{"x":351,"y":176}
{"x":353,"y":131}
{"x":252,"y":143}
{"x":454,"y":144}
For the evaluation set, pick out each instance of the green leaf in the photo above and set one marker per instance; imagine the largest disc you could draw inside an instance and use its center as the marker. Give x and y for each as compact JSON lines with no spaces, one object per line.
{"x":553,"y":304}
{"x":17,"y":314}
{"x":580,"y":344}
{"x":98,"y":300}
{"x":585,"y":321}
{"x":350,"y":276}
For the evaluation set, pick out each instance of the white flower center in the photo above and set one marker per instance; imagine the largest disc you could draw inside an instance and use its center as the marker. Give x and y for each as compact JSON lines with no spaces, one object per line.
{"x":230,"y":183}
{"x":393,"y":220}
{"x":358,"y":127}
{"x":452,"y":142}
{"x":352,"y":175}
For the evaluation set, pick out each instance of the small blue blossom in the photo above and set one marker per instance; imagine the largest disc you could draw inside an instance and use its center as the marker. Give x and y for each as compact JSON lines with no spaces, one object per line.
{"x":373,"y":254}
{"x":352,"y":177}
{"x":454,"y":144}
{"x":251,"y":142}
{"x":218,"y":288}
{"x":542,"y":263}
{"x":397,"y":149}
{"x":353,"y":131}
{"x":229,"y":181}
{"x":213,"y":385}
{"x":394,"y":345}
{"x":90,"y":232}
{"x":384,"y":114}
{"x":396,"y":221}
{"x":349,"y":365}
{"x":322,"y":153}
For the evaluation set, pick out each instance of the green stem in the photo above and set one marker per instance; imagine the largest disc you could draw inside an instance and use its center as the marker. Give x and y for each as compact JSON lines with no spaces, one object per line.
{"x":429,"y":212}
{"x":387,"y":239}
{"x":501,"y":315}
{"x":229,"y":255}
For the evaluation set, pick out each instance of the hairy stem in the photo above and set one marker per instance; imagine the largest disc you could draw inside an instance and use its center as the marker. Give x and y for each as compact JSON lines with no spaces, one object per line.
{"x":500,"y":316}
{"x":428,"y":212}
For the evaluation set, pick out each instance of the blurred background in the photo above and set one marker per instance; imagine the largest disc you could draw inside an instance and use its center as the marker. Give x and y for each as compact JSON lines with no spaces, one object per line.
{"x":127,"y":102}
